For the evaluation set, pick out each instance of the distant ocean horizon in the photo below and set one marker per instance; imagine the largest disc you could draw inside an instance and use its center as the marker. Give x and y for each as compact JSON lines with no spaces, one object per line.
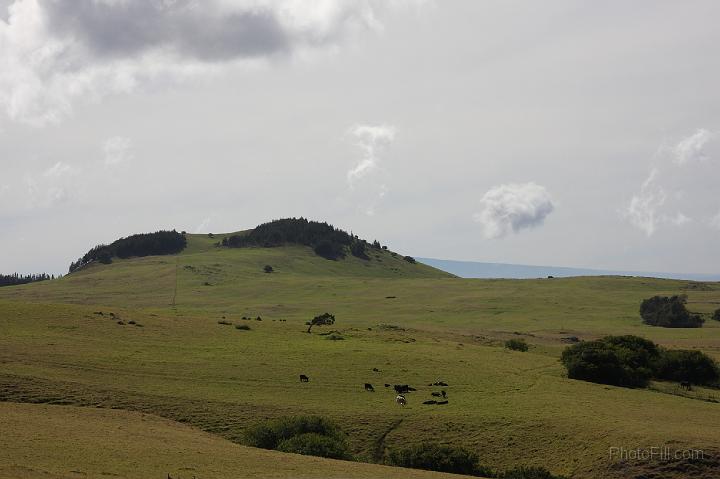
{"x":476,"y":269}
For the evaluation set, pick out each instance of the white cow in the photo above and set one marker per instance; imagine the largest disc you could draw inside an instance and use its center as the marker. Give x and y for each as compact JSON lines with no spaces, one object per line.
{"x":400,"y":399}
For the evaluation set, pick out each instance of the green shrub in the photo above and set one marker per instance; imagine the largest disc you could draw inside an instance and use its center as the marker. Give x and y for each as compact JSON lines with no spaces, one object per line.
{"x":314,"y":444}
{"x":716,"y":315}
{"x":524,"y":472}
{"x":616,"y":360}
{"x":669,"y":312}
{"x":271,"y":434}
{"x":632,"y":361}
{"x":434,"y":457}
{"x":683,"y":365}
{"x":516,"y":345}
{"x":243,"y":327}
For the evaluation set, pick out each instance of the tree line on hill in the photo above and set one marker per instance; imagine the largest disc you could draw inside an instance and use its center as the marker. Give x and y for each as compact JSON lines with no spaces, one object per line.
{"x":326,"y":240}
{"x":145,"y":244}
{"x":16,"y":279}
{"x":632,"y":361}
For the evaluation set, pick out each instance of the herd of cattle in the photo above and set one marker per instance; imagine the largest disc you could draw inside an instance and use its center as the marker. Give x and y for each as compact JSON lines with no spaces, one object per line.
{"x":402,"y":389}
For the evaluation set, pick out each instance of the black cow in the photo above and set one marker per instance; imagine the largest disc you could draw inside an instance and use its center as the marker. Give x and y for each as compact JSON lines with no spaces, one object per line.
{"x":304,"y":379}
{"x":442,"y":402}
{"x":401,"y":388}
{"x":686,"y":385}
{"x":369,"y":387}
{"x":434,"y":394}
{"x":444,"y":394}
{"x":431,"y":401}
{"x":376,"y":370}
{"x":387,"y":385}
{"x":440,"y":383}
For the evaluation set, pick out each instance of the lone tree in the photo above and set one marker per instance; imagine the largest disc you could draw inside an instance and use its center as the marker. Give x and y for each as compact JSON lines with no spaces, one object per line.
{"x":325,"y":319}
{"x":268,"y":268}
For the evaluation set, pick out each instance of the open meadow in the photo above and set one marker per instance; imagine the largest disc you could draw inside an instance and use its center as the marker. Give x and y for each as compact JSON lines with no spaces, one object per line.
{"x":174,"y":357}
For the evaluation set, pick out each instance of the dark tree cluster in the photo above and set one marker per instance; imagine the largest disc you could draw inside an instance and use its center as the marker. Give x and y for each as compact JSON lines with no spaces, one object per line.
{"x":16,"y":279}
{"x":326,"y":240}
{"x":145,"y":244}
{"x":669,"y":312}
{"x":632,"y":361}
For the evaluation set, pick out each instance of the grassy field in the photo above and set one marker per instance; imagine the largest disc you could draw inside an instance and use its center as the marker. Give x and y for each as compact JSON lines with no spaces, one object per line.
{"x":415,"y":324}
{"x":71,"y":442}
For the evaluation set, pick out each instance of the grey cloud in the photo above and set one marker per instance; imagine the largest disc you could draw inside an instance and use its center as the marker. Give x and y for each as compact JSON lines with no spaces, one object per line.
{"x":188,"y":29}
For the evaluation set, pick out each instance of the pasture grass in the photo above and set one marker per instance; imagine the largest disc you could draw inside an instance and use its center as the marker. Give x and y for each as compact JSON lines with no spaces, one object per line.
{"x":412,"y":323}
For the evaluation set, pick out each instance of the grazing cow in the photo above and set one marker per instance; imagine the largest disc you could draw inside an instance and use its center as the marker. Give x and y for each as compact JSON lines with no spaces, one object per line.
{"x":686,"y":385}
{"x":400,"y":399}
{"x":442,"y":402}
{"x":444,"y":394}
{"x":369,"y":387}
{"x":304,"y":379}
{"x":434,"y":394}
{"x":403,"y":388}
{"x":387,"y":385}
{"x":431,"y":401}
{"x":376,"y":370}
{"x":440,"y":383}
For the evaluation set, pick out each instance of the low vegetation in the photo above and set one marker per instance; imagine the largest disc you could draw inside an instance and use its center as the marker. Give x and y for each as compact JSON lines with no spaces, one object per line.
{"x":632,"y":361}
{"x":145,"y":244}
{"x":457,"y":460}
{"x":669,"y":312}
{"x":516,"y":344}
{"x":308,"y":435}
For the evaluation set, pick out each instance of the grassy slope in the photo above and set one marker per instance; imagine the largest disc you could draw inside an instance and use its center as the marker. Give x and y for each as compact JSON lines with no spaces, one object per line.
{"x":71,"y":442}
{"x":511,"y":407}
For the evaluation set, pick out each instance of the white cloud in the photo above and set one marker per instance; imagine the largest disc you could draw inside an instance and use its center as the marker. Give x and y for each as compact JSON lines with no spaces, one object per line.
{"x":205,"y":224}
{"x":372,"y":140}
{"x":715,"y":222}
{"x":513,"y":207}
{"x":117,"y":149}
{"x":53,"y":186}
{"x":53,"y":52}
{"x":692,"y":148}
{"x":644,"y":208}
{"x":57,"y":170}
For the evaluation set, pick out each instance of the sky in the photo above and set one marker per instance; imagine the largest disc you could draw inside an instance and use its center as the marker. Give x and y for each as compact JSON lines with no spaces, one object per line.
{"x":565,"y":133}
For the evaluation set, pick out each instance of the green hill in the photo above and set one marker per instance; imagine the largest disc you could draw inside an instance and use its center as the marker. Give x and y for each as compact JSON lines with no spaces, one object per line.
{"x":165,"y":344}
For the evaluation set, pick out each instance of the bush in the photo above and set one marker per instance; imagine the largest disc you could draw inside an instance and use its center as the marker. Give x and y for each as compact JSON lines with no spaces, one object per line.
{"x":524,"y":472}
{"x":632,"y":361}
{"x":683,"y":365}
{"x":434,"y":457}
{"x":300,"y":434}
{"x":716,"y":315}
{"x":669,"y":312}
{"x":516,"y":345}
{"x":243,"y":327}
{"x":616,"y":360}
{"x":314,"y":444}
{"x":409,"y":259}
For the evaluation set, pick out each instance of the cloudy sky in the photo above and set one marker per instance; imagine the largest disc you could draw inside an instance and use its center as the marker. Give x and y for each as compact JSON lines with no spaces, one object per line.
{"x":567,"y":133}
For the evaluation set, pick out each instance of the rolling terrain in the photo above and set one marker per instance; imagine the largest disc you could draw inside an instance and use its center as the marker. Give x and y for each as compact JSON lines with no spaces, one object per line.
{"x":172,"y":358}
